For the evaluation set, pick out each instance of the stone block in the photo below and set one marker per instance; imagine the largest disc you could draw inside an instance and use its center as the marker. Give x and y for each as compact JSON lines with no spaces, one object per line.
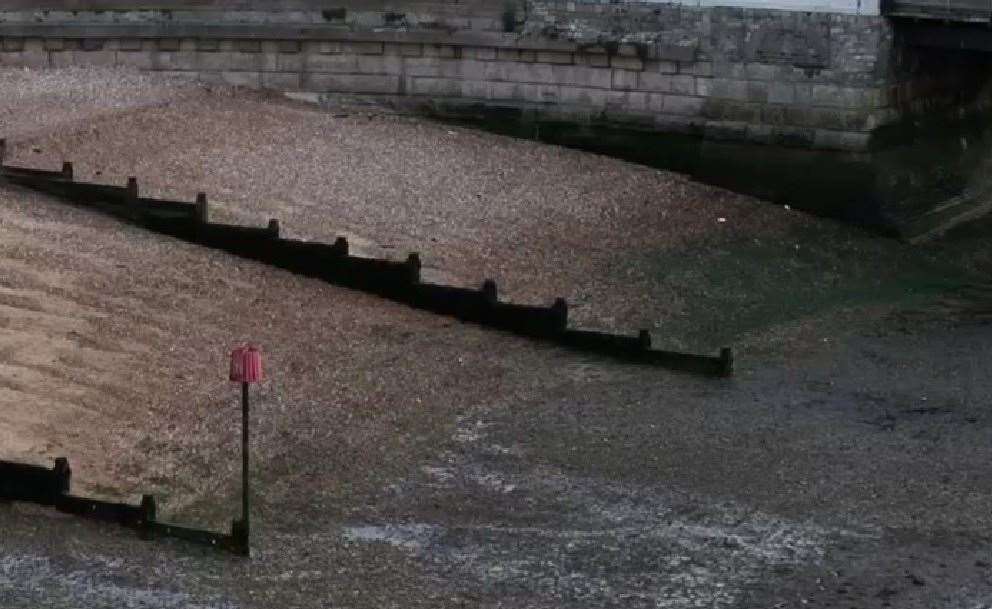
{"x":673,"y":123}
{"x":184,"y":75}
{"x":597,"y":60}
{"x":250,"y":80}
{"x":773,"y":114}
{"x":527,"y":72}
{"x":207,"y":45}
{"x":542,"y":94}
{"x":661,"y":83}
{"x":656,"y":102}
{"x":714,"y":109}
{"x":795,"y":137}
{"x":554,"y":57}
{"x":508,"y":54}
{"x":663,"y":67}
{"x":353,"y":83}
{"x":729,"y":69}
{"x":128,"y":44}
{"x":627,"y":63}
{"x":363,"y":48}
{"x":92,"y":44}
{"x":677,"y":52}
{"x":175,"y":61}
{"x":28,"y":58}
{"x":167,"y":44}
{"x":83,"y":58}
{"x":248,"y":46}
{"x":781,"y":93}
{"x":823,"y":95}
{"x":682,"y":84}
{"x":140,"y":60}
{"x":582,"y":76}
{"x":583,"y":96}
{"x":836,"y":118}
{"x":12,"y":45}
{"x":627,"y":101}
{"x":759,"y":134}
{"x":839,"y":97}
{"x":726,"y":88}
{"x":429,"y":66}
{"x":840,"y":140}
{"x":731,"y":110}
{"x":379,"y":64}
{"x":210,"y":77}
{"x":487,"y":70}
{"x":58,"y":44}
{"x":230,"y":61}
{"x":800,"y":115}
{"x":330,"y":63}
{"x":762,"y":71}
{"x":624,"y":79}
{"x":682,"y":105}
{"x":442,"y":50}
{"x":33,"y":45}
{"x":476,"y":89}
{"x":699,"y":68}
{"x":703,"y":86}
{"x":803,"y":93}
{"x":480,"y":53}
{"x":289,"y":46}
{"x":282,"y":81}
{"x":724,"y":130}
{"x":876,"y":97}
{"x":505,"y":90}
{"x":881,"y":116}
{"x":757,"y":91}
{"x":441,"y":87}
{"x":325,"y":47}
{"x":639,"y":120}
{"x":284,"y":62}
{"x":410,"y":50}
{"x":528,"y":56}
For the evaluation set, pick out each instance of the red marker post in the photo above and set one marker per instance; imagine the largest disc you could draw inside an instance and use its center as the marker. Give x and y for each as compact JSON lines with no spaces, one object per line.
{"x":246,"y":368}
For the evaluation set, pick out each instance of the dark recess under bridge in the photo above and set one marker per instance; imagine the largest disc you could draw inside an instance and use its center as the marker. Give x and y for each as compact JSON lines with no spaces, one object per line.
{"x":964,"y":25}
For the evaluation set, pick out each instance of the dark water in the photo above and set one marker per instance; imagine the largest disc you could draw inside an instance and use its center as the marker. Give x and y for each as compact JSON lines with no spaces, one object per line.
{"x":913,"y":168}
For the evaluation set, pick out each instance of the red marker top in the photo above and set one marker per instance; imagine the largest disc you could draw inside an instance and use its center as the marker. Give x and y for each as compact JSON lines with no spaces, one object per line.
{"x":246,"y":365}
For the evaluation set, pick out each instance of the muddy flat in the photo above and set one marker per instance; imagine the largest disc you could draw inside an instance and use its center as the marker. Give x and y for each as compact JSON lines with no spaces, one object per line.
{"x":405,"y":459}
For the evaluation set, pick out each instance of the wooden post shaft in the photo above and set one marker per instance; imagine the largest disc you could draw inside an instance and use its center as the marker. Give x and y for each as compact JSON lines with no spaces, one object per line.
{"x":244,"y":460}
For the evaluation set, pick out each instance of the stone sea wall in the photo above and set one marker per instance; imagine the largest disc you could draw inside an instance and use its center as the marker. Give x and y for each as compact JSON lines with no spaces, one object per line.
{"x":816,"y":80}
{"x":797,"y":83}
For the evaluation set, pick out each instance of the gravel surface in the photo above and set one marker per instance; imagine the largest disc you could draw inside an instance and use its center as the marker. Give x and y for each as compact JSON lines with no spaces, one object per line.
{"x":407,"y":460}
{"x":544,"y":221}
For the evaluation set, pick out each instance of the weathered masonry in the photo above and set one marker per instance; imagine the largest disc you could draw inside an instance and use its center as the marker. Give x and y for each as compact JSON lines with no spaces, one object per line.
{"x":823,"y":80}
{"x":817,"y":75}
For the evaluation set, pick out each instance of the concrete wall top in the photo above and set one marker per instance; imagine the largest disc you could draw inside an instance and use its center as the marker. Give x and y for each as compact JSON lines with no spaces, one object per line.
{"x":860,"y":7}
{"x":847,"y":7}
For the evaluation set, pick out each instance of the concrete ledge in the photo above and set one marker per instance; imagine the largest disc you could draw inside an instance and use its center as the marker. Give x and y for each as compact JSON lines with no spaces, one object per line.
{"x":282,"y":32}
{"x":728,"y":85}
{"x":649,"y":84}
